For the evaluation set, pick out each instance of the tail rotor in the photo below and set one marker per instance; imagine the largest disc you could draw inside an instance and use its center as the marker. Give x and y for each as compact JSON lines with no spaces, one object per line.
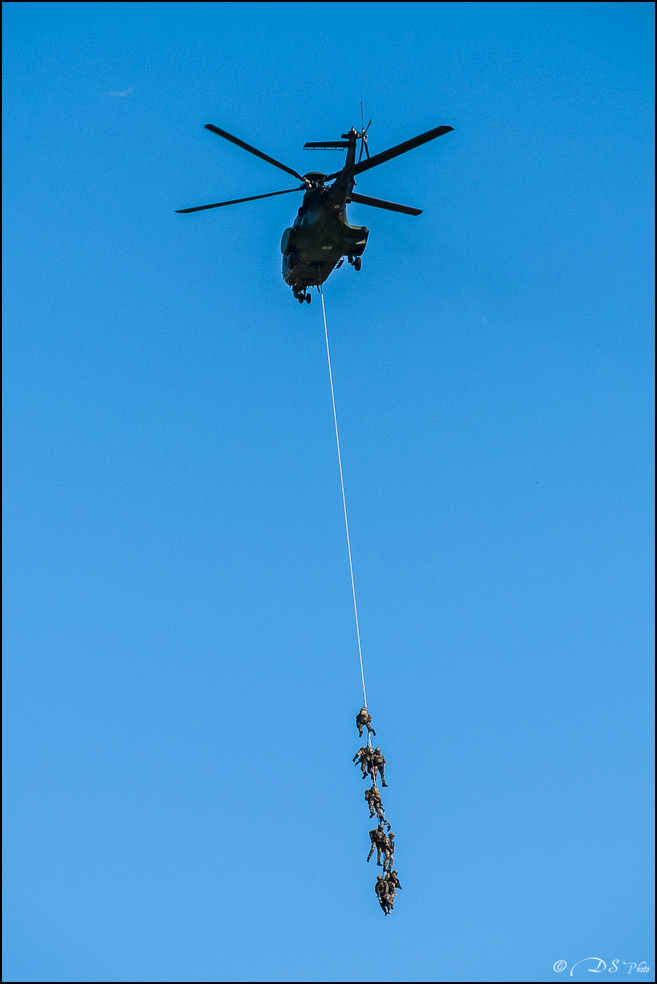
{"x":363,"y":136}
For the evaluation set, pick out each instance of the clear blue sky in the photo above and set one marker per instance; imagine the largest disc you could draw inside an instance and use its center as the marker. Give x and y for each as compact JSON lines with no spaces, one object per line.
{"x":181,"y":668}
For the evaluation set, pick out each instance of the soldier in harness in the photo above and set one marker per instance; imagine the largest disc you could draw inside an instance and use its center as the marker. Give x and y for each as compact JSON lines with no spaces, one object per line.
{"x":392,"y":883}
{"x":389,"y":849}
{"x":378,"y":841}
{"x":364,"y":719}
{"x":381,"y":889}
{"x":378,"y":765}
{"x":364,"y":757}
{"x":373,"y":797}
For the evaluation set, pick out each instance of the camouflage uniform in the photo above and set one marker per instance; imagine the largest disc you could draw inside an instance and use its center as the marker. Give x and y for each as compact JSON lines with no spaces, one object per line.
{"x":378,"y":765}
{"x":393,"y":879}
{"x":373,"y":797}
{"x":381,"y":889}
{"x":389,"y":848}
{"x":378,"y":839}
{"x":392,"y":883}
{"x":364,"y":757}
{"x":363,"y":719}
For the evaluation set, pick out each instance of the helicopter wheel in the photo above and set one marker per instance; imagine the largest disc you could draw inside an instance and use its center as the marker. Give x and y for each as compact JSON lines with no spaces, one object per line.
{"x":308,"y":298}
{"x":358,"y":263}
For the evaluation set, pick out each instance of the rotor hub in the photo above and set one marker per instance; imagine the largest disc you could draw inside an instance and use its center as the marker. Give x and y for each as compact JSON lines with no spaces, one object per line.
{"x":315,"y":179}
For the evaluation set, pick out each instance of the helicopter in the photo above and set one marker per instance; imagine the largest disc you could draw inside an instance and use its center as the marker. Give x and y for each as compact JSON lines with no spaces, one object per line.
{"x":321,"y":238}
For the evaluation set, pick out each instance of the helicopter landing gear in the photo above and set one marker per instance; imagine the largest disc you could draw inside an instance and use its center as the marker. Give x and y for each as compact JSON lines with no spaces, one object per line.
{"x":303,"y":297}
{"x":355,"y":261}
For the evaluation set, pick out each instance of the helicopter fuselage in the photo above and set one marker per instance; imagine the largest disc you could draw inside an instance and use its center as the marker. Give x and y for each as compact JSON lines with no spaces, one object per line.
{"x":316,"y":243}
{"x":321,"y":235}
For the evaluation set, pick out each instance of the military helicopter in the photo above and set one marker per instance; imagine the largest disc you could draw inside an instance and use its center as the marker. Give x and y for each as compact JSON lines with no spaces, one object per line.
{"x":321,"y":238}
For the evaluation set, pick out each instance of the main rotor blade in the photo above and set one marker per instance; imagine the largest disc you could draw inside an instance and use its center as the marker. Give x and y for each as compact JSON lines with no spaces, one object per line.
{"x":252,"y":150}
{"x":379,"y":203}
{"x":238,"y":201}
{"x":401,"y":148}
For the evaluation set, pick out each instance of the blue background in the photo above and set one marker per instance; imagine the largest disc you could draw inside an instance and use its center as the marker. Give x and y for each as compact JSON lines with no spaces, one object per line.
{"x":181,"y":668}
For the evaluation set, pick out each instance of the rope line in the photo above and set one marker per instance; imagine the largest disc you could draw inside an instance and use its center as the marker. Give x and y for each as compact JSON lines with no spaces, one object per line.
{"x":344,"y":505}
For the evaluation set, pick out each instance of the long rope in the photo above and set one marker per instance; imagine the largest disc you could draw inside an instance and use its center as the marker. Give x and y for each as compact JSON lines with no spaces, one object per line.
{"x":344,"y":502}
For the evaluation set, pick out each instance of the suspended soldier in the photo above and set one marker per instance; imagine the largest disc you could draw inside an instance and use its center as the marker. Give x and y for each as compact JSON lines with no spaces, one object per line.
{"x":364,"y":719}
{"x":389,"y":849}
{"x":393,"y":879}
{"x":364,"y":757}
{"x":378,"y":765}
{"x":373,"y":797}
{"x":392,"y":883}
{"x":378,"y":840}
{"x":381,"y":889}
